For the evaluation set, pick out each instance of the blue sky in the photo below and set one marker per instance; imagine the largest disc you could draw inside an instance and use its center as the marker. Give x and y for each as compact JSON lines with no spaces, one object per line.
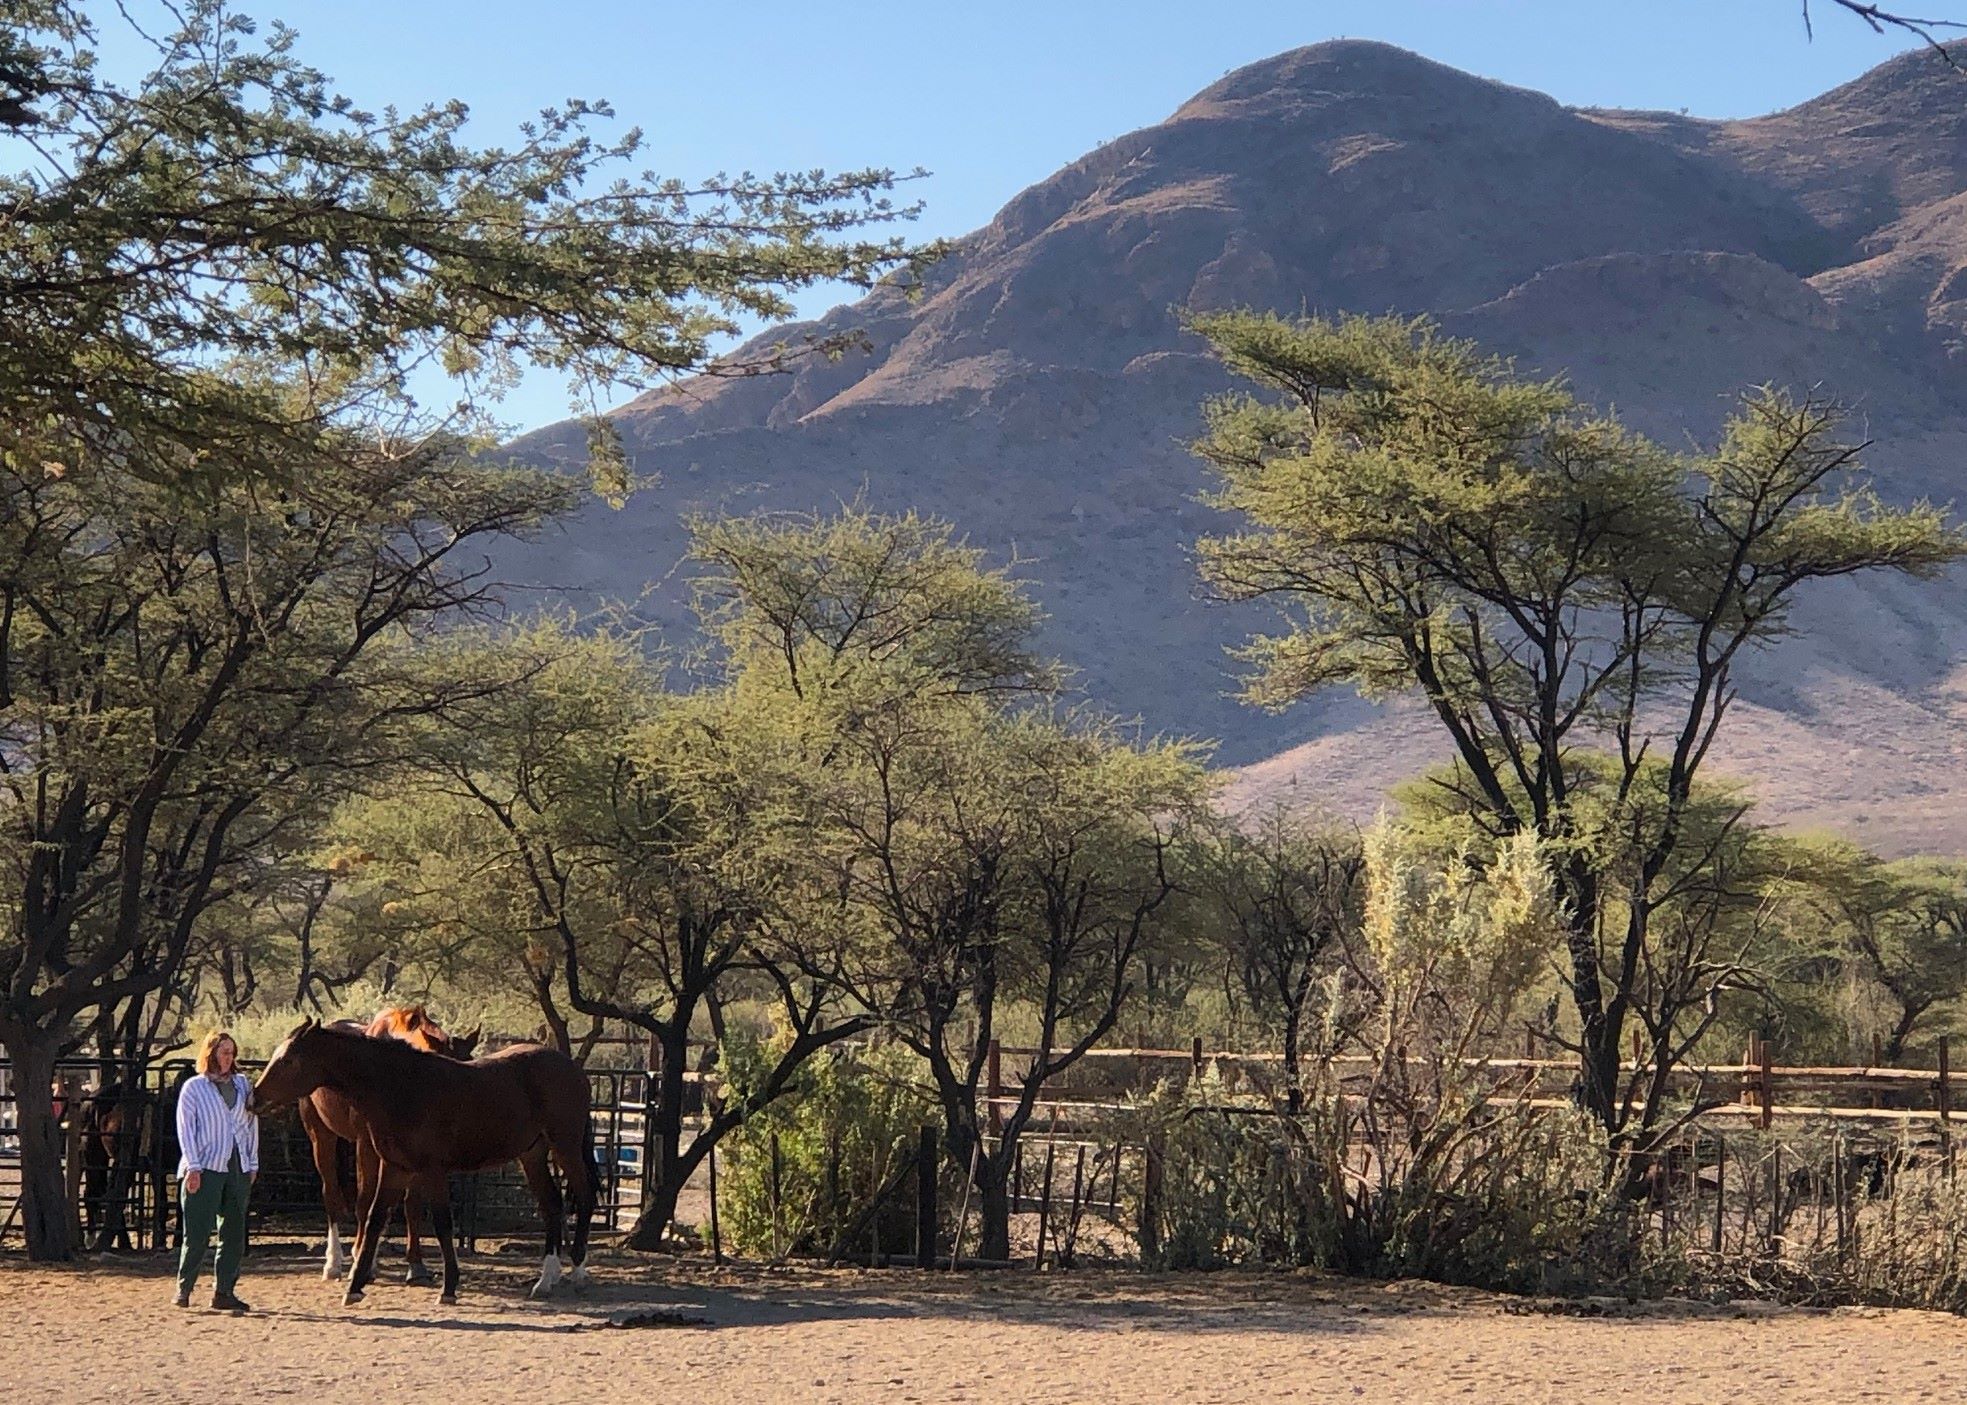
{"x":993,"y":97}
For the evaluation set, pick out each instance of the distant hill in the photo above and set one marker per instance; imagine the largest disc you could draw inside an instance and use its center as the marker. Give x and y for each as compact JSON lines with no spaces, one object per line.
{"x":1040,"y":393}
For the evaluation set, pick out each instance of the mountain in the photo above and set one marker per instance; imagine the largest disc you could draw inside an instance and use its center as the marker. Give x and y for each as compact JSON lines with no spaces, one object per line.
{"x":1040,"y":393}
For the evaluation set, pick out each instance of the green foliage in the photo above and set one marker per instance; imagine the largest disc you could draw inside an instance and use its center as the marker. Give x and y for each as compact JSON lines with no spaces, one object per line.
{"x":1406,"y":1154}
{"x":1569,"y":600}
{"x":1899,"y":927}
{"x":169,"y":239}
{"x":819,"y":605}
{"x":191,"y":678}
{"x":851,"y":1125}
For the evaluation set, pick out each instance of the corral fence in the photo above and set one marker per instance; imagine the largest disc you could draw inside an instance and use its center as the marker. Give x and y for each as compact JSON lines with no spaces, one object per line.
{"x":1778,"y":1159}
{"x":1779,"y":1154}
{"x":1775,"y":1164}
{"x":120,"y":1157}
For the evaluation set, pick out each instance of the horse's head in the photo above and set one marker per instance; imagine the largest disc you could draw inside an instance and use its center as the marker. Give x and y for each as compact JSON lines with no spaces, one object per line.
{"x":296,"y":1068}
{"x":413,"y":1025}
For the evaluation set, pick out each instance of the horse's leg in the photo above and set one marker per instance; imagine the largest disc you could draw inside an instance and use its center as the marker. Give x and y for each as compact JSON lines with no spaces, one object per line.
{"x":575,"y":1156}
{"x":540,"y":1177}
{"x":415,"y":1270}
{"x":321,"y":1142}
{"x":377,"y":1196}
{"x":440,"y":1219}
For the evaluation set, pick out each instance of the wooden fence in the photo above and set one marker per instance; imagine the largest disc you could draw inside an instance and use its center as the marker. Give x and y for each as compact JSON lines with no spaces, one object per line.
{"x":1757,"y":1090}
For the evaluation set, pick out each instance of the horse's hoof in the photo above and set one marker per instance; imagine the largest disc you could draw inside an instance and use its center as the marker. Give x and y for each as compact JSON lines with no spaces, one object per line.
{"x":417,"y":1273}
{"x":350,"y":1298}
{"x":447,"y":1299}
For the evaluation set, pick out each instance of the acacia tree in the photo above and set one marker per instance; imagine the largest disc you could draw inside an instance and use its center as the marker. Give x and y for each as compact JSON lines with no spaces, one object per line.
{"x":643,"y":854}
{"x":1005,"y":867}
{"x":1279,"y":897}
{"x":987,"y":855}
{"x":1902,"y":923}
{"x":187,"y":680}
{"x":230,"y":204}
{"x":221,"y":509}
{"x":1569,"y":601}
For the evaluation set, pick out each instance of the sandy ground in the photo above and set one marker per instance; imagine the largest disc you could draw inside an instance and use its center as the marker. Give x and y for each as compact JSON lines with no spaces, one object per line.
{"x":106,"y":1331}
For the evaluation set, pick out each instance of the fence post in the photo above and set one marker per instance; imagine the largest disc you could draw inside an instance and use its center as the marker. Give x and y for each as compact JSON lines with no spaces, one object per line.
{"x":1838,"y":1176}
{"x":1150,"y":1229}
{"x":1946,"y":1109}
{"x":776,"y":1172}
{"x":1195,"y":1059}
{"x":925,"y":1198}
{"x":994,"y":1086}
{"x":1072,"y":1215}
{"x":1775,"y":1199}
{"x":716,"y":1238}
{"x":1720,"y":1188}
{"x":1768,"y":1083}
{"x":1044,"y":1206}
{"x":71,"y":1096}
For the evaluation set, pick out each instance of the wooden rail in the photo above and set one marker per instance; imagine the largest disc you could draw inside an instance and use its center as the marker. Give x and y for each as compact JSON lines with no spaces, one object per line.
{"x":1764,"y":1090}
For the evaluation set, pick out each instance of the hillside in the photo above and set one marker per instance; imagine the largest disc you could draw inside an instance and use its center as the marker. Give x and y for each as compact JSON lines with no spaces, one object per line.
{"x":1040,"y":392}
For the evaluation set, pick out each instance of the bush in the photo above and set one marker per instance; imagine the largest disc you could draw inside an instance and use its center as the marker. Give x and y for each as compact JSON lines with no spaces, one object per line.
{"x":1494,"y":1194}
{"x":851,"y":1126}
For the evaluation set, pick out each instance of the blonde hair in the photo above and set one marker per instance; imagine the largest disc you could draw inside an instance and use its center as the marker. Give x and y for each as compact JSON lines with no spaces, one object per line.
{"x":208,"y":1050}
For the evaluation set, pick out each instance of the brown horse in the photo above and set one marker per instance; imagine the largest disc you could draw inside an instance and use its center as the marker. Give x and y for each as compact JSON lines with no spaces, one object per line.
{"x":426,"y":1117}
{"x":330,"y":1119}
{"x":111,"y":1122}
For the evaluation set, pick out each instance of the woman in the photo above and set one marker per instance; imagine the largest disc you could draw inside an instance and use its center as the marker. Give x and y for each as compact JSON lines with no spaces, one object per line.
{"x":220,"y":1134}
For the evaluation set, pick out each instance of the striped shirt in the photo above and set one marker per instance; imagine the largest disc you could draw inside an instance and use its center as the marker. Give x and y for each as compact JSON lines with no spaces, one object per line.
{"x":210,"y":1132}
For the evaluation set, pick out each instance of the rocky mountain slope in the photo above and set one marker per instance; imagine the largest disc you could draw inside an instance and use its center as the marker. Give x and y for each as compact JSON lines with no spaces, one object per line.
{"x":1040,"y":392}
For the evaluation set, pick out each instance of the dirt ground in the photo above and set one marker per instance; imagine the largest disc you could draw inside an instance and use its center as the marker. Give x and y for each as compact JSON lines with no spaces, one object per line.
{"x":674,"y":1330}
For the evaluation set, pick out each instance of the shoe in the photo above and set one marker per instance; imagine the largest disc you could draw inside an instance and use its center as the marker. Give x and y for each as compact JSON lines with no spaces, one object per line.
{"x":226,"y":1302}
{"x":181,"y":1300}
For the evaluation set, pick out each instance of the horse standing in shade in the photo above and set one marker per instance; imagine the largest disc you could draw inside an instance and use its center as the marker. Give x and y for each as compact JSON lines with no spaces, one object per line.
{"x":112,"y":1122}
{"x":426,"y":1117}
{"x":329,"y":1119}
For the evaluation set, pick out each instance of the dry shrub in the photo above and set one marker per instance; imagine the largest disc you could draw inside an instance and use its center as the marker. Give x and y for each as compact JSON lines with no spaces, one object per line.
{"x":1411,"y":1154}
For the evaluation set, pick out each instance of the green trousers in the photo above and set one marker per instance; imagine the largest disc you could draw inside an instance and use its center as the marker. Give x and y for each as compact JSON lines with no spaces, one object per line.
{"x":219,"y":1204}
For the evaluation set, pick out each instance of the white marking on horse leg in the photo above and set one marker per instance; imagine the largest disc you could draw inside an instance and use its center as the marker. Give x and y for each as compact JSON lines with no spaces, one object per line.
{"x":549,"y":1275}
{"x":577,"y":1276}
{"x":337,"y":1262}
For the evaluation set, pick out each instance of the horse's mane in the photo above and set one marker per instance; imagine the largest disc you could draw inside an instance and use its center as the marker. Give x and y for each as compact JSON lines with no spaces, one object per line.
{"x":354,"y":1038}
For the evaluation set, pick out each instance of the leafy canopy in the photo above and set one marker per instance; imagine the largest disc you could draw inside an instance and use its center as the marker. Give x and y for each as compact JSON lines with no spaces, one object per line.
{"x":165,"y":238}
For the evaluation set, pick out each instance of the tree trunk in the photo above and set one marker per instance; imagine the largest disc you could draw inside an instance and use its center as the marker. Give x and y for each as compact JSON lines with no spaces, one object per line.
{"x":993,"y":1210}
{"x":44,"y":1196}
{"x":662,"y":1170}
{"x":1293,"y":1080}
{"x":659,"y":1195}
{"x":1895,"y":1044}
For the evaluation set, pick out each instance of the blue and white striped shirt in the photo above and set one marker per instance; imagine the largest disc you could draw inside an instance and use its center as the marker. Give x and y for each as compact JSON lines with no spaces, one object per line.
{"x":210,"y":1132}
